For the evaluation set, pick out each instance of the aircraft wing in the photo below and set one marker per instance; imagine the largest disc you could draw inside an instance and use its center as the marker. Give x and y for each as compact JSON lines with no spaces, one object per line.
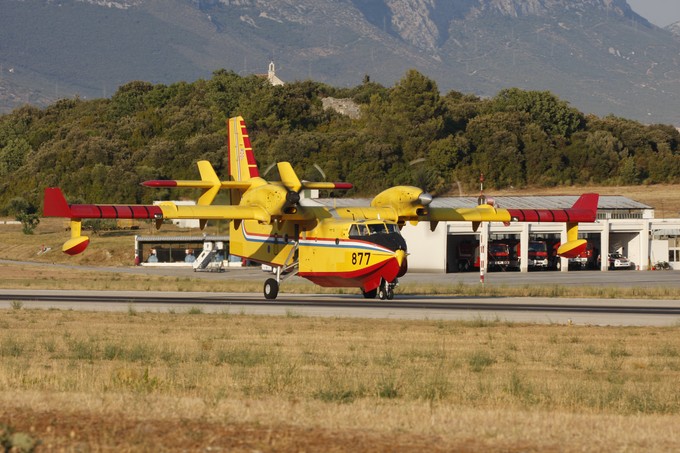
{"x":584,"y":210}
{"x":56,"y":206}
{"x":410,"y":204}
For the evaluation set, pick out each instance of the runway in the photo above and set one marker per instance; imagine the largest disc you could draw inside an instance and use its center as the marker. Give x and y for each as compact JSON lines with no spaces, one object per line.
{"x":543,"y":310}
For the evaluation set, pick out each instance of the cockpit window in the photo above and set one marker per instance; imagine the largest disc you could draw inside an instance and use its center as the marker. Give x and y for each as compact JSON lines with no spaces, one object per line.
{"x":358,"y":230}
{"x":392,"y":228}
{"x":376,"y":228}
{"x":363,"y":229}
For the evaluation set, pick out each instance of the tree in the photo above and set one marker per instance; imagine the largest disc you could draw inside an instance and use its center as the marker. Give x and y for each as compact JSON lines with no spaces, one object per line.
{"x":498,"y":149}
{"x":26,"y":213}
{"x":552,"y":114}
{"x":13,"y":155}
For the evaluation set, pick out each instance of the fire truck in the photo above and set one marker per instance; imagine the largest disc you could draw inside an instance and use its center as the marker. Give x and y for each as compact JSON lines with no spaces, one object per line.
{"x":538,"y":255}
{"x":498,"y":255}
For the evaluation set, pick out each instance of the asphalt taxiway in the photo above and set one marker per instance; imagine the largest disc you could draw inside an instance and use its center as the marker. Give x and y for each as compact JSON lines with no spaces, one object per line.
{"x":584,"y":311}
{"x":542,"y":310}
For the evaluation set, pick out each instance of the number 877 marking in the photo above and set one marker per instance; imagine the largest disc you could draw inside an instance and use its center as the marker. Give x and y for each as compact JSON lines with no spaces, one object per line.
{"x":361,"y":258}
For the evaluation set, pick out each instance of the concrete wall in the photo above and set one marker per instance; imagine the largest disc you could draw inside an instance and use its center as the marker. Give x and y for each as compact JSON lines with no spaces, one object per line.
{"x":427,"y":249}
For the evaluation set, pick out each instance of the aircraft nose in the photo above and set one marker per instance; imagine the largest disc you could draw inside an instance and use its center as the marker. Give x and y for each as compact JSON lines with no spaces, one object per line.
{"x":392,"y":241}
{"x":400,"y":255}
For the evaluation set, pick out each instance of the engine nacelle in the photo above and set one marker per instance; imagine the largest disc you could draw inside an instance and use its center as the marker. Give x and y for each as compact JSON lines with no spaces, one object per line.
{"x":272,"y":198}
{"x":407,"y":201}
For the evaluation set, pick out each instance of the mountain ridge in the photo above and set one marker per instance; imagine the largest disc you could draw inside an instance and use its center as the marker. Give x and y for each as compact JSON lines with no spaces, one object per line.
{"x":597,"y":54}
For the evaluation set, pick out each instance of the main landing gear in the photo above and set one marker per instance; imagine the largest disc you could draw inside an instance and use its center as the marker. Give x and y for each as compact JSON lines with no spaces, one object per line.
{"x":271,"y":285}
{"x":271,"y":288}
{"x":384,"y":291}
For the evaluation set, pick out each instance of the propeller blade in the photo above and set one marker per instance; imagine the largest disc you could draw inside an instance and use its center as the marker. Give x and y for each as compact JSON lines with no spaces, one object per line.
{"x":288,"y":177}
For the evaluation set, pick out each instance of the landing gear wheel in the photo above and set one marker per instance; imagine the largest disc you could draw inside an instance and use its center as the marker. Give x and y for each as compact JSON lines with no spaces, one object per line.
{"x":370,"y":294}
{"x":386,"y":290}
{"x":271,"y":288}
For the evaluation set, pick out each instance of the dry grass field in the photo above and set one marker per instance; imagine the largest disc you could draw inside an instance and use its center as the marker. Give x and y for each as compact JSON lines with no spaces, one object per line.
{"x":191,"y":381}
{"x":228,"y":382}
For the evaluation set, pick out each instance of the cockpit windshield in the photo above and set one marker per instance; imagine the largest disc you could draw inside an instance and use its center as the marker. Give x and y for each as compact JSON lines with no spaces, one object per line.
{"x":364,"y":229}
{"x":376,"y":228}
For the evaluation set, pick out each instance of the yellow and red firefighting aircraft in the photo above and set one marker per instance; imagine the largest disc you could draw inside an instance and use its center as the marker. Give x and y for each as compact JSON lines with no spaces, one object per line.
{"x":344,"y":247}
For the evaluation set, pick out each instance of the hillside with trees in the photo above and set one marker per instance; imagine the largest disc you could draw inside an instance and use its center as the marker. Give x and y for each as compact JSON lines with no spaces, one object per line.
{"x":100,"y":150}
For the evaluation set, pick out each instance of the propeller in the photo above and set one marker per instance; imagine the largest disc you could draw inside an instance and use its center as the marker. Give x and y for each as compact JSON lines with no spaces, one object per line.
{"x":290,"y":181}
{"x":283,"y":197}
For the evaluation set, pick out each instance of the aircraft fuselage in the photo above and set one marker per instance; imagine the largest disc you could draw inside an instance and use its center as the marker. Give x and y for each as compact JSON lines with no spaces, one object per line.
{"x":329,"y":251}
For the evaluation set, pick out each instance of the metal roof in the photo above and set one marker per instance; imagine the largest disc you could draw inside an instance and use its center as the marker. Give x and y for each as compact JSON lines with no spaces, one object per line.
{"x":606,"y":202}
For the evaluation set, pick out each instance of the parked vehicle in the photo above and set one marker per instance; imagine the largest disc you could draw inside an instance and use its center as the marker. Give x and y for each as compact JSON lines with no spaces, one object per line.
{"x":538,"y":255}
{"x":661,"y":265}
{"x":498,"y":256}
{"x":468,"y":255}
{"x":585,"y":260}
{"x":618,"y":261}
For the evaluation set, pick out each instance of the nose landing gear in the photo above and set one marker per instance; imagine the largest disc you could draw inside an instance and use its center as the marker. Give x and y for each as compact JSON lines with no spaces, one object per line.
{"x":386,"y":289}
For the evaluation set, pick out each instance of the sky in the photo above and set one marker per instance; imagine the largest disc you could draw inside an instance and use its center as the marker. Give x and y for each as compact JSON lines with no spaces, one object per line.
{"x":658,"y":12}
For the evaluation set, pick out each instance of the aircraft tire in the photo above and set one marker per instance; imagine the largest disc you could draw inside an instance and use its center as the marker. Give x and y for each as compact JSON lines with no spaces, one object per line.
{"x":271,"y":289}
{"x":370,"y":294}
{"x":382,"y":294}
{"x":390,"y":294}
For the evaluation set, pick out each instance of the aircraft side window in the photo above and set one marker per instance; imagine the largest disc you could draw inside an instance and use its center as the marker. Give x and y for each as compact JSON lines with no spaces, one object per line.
{"x":354,"y":230}
{"x":363,"y":231}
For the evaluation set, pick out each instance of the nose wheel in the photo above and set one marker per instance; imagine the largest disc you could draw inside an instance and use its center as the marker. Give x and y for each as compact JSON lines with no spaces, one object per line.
{"x":386,"y":289}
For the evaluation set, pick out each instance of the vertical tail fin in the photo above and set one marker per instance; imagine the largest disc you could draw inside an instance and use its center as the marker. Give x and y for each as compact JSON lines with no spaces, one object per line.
{"x":242,"y":165}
